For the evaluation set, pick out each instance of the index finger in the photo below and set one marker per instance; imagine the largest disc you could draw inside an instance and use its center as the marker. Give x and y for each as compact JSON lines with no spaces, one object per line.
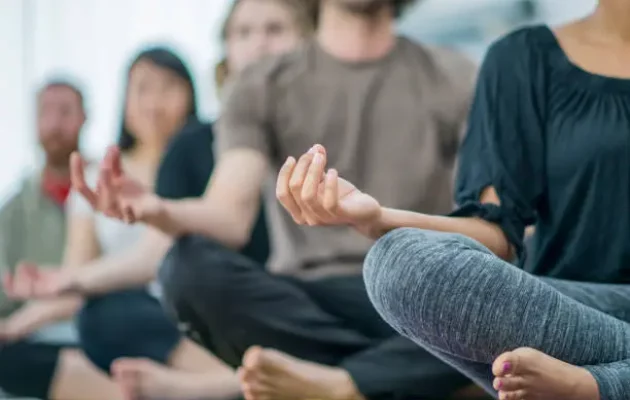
{"x":77,"y":177}
{"x":283,"y":193}
{"x":112,"y":159}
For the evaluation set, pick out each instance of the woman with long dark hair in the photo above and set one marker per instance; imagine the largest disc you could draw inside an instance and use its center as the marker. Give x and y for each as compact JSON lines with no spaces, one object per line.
{"x":159,"y":102}
{"x":148,"y":358}
{"x":547,"y":145}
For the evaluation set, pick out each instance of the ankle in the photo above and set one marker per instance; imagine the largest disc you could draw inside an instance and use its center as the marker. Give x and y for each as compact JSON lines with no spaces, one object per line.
{"x":343,"y":387}
{"x":586,"y":387}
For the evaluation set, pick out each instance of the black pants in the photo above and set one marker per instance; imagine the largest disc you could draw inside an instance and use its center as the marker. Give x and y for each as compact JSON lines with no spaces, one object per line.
{"x":27,"y":369}
{"x":127,"y":323}
{"x":231,"y":303}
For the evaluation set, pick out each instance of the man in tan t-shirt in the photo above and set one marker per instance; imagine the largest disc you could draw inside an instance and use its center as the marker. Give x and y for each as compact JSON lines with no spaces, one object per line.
{"x":390,"y":113}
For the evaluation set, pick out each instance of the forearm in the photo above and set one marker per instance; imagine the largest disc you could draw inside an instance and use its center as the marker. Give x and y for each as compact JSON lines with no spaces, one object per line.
{"x":36,"y":314}
{"x":135,"y":267}
{"x":487,"y":233}
{"x":201,"y":216}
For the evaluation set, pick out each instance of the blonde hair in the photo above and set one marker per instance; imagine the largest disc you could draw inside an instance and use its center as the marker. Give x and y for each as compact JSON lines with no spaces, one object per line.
{"x":304,"y":12}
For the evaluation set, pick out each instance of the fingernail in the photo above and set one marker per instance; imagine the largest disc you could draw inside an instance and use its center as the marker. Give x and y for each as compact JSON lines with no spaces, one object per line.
{"x":507,"y":366}
{"x":318,"y":158}
{"x":499,"y":384}
{"x":312,"y":150}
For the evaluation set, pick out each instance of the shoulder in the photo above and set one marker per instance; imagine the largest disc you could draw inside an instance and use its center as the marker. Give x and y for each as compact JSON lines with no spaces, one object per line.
{"x":26,"y":187}
{"x":522,"y":46}
{"x":193,"y":134}
{"x":442,"y":66}
{"x":192,"y":144}
{"x":272,"y":71}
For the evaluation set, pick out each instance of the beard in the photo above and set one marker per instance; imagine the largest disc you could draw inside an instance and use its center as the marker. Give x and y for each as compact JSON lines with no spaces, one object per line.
{"x":365,"y":7}
{"x":58,"y":151}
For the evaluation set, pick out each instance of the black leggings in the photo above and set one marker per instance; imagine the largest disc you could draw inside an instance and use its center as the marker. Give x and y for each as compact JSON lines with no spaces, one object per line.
{"x":129,"y":323}
{"x":27,"y":368}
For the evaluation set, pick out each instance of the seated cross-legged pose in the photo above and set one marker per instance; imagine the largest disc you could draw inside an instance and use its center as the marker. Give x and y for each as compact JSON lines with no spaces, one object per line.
{"x":104,"y":279}
{"x":308,"y":329}
{"x":547,"y":145}
{"x":128,"y":329}
{"x":38,"y":358}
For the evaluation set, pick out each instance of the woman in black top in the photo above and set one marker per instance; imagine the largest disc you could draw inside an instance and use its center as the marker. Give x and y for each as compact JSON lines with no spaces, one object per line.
{"x":548,"y":145}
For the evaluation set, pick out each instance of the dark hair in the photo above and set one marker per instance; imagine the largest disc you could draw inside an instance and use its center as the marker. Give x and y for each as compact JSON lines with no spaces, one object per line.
{"x":161,"y":57}
{"x":400,"y":6}
{"x":63,"y":83}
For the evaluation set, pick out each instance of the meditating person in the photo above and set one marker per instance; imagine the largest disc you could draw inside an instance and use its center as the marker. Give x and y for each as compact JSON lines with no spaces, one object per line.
{"x":159,"y":102}
{"x":39,"y":358}
{"x":306,"y":328}
{"x":547,"y":144}
{"x":253,"y":29}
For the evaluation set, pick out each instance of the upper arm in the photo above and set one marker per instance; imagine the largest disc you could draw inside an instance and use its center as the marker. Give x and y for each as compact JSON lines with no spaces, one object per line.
{"x":243,"y":144}
{"x":10,"y":230}
{"x":501,"y":158}
{"x":237,"y":181}
{"x":82,"y":245}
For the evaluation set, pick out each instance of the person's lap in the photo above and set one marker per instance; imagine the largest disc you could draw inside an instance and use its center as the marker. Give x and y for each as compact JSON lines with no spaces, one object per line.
{"x":456,"y":299}
{"x":127,"y":323}
{"x":232,"y":304}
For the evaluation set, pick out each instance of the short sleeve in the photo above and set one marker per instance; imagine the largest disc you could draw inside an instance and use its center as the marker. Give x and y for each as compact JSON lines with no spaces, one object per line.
{"x":244,"y":118}
{"x":77,"y":204}
{"x":187,"y":163}
{"x":503,"y":145}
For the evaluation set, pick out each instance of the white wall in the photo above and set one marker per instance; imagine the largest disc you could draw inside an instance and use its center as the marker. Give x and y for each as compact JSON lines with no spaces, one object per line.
{"x":14,"y":139}
{"x":92,"y":41}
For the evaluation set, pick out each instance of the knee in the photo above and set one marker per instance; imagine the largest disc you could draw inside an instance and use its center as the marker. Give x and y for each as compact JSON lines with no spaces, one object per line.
{"x":125,"y":324}
{"x":407,"y":265}
{"x":199,"y":273}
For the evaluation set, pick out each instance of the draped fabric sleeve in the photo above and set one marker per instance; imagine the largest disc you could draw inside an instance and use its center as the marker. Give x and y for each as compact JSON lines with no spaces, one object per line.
{"x":504,"y":145}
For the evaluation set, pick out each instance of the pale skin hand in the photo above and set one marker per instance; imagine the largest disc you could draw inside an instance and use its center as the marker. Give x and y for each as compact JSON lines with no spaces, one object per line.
{"x":30,"y":281}
{"x":116,"y":194}
{"x":314,"y":196}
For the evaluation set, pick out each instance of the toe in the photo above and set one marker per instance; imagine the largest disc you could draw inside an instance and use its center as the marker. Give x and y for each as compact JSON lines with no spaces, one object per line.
{"x":505,"y":364}
{"x":509,"y":383}
{"x":516,"y":395}
{"x":252,"y":357}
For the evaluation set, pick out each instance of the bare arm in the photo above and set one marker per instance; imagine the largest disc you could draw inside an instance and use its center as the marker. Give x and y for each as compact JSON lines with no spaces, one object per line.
{"x":486,"y":233}
{"x":81,"y":247}
{"x":230,"y":204}
{"x":135,"y":267}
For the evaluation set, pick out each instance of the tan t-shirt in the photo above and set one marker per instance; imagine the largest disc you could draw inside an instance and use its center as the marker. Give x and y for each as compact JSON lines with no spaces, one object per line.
{"x":391,"y":126}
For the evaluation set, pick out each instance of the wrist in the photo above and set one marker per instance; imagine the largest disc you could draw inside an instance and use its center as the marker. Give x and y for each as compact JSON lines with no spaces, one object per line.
{"x":374,"y":228}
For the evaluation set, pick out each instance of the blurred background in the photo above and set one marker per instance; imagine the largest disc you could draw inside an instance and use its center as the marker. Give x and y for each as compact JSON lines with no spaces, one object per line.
{"x":93,"y":40}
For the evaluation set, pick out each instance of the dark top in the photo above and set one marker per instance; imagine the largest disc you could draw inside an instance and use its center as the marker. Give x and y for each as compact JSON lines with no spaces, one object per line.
{"x":185,"y":171}
{"x":554,"y":141}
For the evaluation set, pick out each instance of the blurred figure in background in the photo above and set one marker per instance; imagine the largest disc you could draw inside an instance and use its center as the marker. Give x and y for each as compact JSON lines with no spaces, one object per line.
{"x":361,"y":90}
{"x":36,"y":359}
{"x":252,"y":29}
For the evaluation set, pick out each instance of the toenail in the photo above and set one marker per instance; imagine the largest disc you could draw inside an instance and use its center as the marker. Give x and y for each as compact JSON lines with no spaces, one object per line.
{"x":507,"y":366}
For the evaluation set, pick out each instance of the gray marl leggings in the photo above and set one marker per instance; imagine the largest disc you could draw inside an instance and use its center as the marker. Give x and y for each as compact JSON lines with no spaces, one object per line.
{"x":459,"y":301}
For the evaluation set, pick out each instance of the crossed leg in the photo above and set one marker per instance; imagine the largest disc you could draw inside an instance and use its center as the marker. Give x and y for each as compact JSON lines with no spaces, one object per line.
{"x":453,"y":297}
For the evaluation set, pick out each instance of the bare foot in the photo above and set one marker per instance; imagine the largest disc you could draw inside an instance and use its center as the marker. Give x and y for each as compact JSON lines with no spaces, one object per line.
{"x":143,"y":379}
{"x":271,"y":375}
{"x":530,"y":374}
